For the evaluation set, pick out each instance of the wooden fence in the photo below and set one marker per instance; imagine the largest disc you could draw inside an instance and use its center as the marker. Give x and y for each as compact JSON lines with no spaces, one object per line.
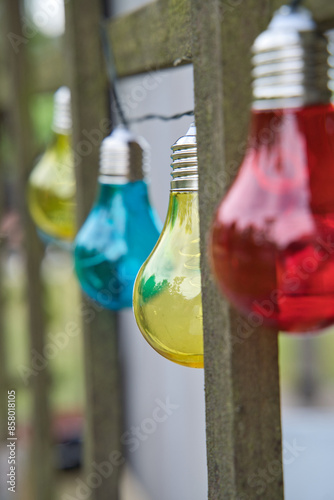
{"x":243,"y":422}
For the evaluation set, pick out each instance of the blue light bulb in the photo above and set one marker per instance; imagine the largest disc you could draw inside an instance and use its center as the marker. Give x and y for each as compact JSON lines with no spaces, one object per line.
{"x":122,"y":228}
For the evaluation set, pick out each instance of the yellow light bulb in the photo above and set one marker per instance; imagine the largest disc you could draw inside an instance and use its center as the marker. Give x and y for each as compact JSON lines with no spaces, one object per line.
{"x":51,"y":188}
{"x":167,"y":293}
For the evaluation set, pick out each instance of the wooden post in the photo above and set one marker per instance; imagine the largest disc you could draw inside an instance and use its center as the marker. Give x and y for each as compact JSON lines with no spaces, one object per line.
{"x":42,"y":453}
{"x":4,"y":387}
{"x":91,"y":113}
{"x":241,"y":374}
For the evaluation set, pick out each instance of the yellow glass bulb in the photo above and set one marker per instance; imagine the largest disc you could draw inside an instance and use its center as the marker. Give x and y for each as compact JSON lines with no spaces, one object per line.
{"x":167,"y":292}
{"x":51,"y":187}
{"x":51,"y":191}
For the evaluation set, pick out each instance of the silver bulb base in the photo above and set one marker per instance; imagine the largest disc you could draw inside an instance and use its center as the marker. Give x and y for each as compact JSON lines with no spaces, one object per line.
{"x":291,"y":64}
{"x":62,"y":113}
{"x":123,"y":157}
{"x":184,"y":164}
{"x":330,"y":35}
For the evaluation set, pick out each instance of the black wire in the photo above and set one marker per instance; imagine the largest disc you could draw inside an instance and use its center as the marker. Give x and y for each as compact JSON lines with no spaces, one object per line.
{"x":295,"y":4}
{"x":112,"y":77}
{"x":106,"y":14}
{"x":111,"y":72}
{"x":106,"y":9}
{"x":160,"y":117}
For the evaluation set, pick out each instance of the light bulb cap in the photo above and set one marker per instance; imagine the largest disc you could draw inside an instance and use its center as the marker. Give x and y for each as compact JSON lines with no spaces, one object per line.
{"x":62,"y":113}
{"x":184,"y":164}
{"x":330,"y":35}
{"x":124,"y":157}
{"x":291,"y":64}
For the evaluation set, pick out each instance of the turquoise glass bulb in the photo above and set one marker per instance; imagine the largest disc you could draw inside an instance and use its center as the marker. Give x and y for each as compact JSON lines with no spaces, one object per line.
{"x":120,"y":231}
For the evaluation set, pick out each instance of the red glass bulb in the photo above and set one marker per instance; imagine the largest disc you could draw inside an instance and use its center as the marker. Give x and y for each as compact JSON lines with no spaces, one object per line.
{"x":272,"y":244}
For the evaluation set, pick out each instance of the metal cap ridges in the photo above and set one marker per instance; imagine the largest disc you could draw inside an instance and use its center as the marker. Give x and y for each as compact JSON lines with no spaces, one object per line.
{"x":124,"y":157}
{"x":62,"y":113}
{"x":291,"y":65}
{"x":184,"y":164}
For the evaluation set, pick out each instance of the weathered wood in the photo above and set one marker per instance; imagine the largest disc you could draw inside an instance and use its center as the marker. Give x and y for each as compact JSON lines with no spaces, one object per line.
{"x":91,"y":113}
{"x":88,"y":83}
{"x":47,"y":64}
{"x":323,"y":11}
{"x":241,"y":374}
{"x":4,"y":86}
{"x":103,"y":390}
{"x":48,"y":70}
{"x":42,"y":453}
{"x":47,"y":78}
{"x":4,"y":381}
{"x":158,"y":35}
{"x":154,"y":37}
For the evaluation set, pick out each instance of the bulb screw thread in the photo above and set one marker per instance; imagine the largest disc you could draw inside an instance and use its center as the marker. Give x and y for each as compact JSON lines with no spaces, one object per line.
{"x":62,"y":113}
{"x":185,"y":164}
{"x":123,"y":157}
{"x":291,"y":64}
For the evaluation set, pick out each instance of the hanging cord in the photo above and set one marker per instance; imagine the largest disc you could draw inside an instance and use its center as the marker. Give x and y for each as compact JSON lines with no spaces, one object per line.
{"x":112,"y":77}
{"x":111,"y":71}
{"x":295,"y":4}
{"x":160,"y":117}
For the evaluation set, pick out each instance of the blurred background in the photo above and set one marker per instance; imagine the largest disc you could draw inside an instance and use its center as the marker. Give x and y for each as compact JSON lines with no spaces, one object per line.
{"x":169,"y":463}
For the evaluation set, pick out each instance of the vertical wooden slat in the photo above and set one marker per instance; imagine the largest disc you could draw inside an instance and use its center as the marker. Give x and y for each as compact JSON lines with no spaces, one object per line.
{"x":91,"y":112}
{"x":4,"y":387}
{"x":42,"y":459}
{"x":308,"y":364}
{"x":88,"y":81}
{"x":241,"y":371}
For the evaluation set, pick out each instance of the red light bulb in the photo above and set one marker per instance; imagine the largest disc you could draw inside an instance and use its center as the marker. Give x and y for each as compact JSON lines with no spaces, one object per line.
{"x":272,"y":243}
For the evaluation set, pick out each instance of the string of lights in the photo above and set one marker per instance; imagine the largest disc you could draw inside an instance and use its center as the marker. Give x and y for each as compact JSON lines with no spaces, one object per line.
{"x":112,"y":78}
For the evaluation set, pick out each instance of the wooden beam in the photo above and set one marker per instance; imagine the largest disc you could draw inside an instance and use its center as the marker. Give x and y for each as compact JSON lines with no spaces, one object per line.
{"x":91,"y":112}
{"x":154,"y":37}
{"x":158,"y":35}
{"x":323,"y":11}
{"x":42,"y":463}
{"x":241,"y":375}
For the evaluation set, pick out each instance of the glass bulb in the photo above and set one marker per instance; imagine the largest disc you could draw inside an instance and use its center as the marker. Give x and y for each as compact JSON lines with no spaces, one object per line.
{"x":121,"y":229}
{"x":272,"y":244}
{"x":167,"y":294}
{"x":51,"y":186}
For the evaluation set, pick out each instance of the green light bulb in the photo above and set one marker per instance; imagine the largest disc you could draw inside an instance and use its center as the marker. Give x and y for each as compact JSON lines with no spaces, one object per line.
{"x":51,"y":187}
{"x":167,"y":297}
